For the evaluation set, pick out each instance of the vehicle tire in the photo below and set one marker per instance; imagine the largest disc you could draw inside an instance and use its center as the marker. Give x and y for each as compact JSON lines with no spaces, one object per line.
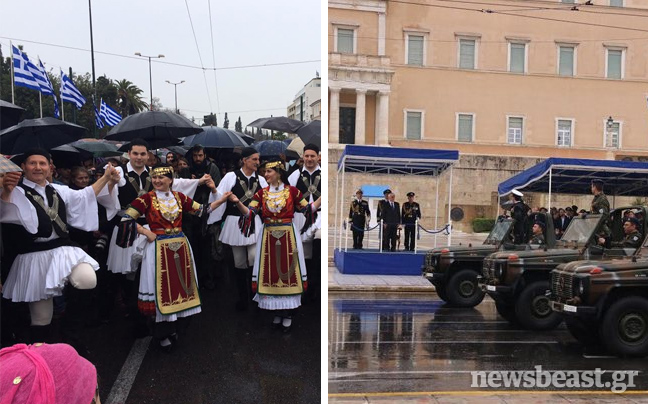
{"x":441,"y":292}
{"x":624,"y":329}
{"x":462,"y":289}
{"x":507,"y":311}
{"x":533,"y":310}
{"x":585,"y":332}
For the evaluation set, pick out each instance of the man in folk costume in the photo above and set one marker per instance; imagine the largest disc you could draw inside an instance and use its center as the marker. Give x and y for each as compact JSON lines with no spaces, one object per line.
{"x":279,"y":268}
{"x":135,"y":182}
{"x":309,"y":181}
{"x":39,"y":214}
{"x":168,"y":288}
{"x":243,"y":183}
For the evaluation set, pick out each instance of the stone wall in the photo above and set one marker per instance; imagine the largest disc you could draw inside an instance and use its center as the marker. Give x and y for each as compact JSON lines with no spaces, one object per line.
{"x":474,"y":189}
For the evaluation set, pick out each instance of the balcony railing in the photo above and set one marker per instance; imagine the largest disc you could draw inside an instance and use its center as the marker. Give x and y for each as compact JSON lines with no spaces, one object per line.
{"x":368,"y":61}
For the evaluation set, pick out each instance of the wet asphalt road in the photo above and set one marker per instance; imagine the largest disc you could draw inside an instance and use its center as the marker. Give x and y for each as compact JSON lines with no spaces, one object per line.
{"x":384,"y":344}
{"x":225,"y":357}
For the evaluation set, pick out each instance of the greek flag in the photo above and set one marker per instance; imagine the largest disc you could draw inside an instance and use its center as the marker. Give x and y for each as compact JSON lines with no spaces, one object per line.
{"x":22,"y":75}
{"x":98,"y":120}
{"x":70,"y":93}
{"x":48,"y":89}
{"x":38,"y":72}
{"x":109,"y":115}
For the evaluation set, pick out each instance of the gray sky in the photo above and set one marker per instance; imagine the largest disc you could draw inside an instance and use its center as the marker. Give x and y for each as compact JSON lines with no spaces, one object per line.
{"x":245,"y":33}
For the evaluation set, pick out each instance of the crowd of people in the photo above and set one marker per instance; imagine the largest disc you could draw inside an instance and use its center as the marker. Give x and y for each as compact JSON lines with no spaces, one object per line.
{"x":145,"y":236}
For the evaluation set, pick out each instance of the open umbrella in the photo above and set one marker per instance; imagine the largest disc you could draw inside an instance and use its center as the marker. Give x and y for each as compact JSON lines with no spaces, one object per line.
{"x":215,"y":138}
{"x":97,"y":147}
{"x":311,"y":133}
{"x":280,"y":123}
{"x":246,"y":138}
{"x":8,"y":166}
{"x":296,"y":147}
{"x":270,"y":148}
{"x":153,"y":144}
{"x":156,"y":127}
{"x":46,"y":133}
{"x":9,"y":114}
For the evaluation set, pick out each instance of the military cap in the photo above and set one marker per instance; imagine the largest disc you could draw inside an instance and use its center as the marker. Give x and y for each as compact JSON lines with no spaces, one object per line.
{"x":634,"y":221}
{"x":516,"y":192}
{"x":409,"y":194}
{"x":387,"y":191}
{"x":598,"y":183}
{"x":359,"y":191}
{"x":540,"y":223}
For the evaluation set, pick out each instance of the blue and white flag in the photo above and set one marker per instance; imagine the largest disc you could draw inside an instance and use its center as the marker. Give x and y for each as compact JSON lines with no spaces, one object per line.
{"x":109,"y":115}
{"x":22,"y":75}
{"x":98,"y":120}
{"x":38,"y":72}
{"x":49,"y":88}
{"x":70,"y":93}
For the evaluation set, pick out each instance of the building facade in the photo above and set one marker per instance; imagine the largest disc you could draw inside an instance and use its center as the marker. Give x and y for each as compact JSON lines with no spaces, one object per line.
{"x":306,"y":105}
{"x":508,"y":79}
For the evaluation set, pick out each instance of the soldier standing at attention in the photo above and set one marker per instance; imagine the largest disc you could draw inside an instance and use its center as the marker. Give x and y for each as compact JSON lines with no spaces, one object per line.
{"x":600,"y":204}
{"x":359,"y":214}
{"x":411,"y":212}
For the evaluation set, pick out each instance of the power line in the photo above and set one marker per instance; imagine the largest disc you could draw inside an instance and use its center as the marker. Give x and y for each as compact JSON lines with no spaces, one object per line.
{"x":503,"y":42}
{"x":211,"y":29}
{"x":164,"y":62}
{"x":199,"y":56}
{"x":239,"y":112}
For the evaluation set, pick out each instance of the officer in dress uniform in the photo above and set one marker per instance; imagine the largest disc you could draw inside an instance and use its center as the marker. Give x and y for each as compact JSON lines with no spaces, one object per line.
{"x":411,"y":212}
{"x":519,"y":212}
{"x":359,"y":215}
{"x":632,"y":237}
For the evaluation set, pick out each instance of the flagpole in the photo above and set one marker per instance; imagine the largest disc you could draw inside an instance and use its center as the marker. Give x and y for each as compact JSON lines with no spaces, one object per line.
{"x":74,"y":119}
{"x":40,"y":100}
{"x":13,"y":96}
{"x":94,"y":87}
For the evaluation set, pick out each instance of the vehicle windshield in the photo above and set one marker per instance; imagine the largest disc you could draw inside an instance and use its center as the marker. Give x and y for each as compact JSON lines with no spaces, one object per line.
{"x":500,"y":230}
{"x":581,"y":229}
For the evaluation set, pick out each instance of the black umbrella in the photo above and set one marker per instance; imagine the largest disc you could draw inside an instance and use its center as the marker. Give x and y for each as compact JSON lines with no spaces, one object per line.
{"x":68,"y":156}
{"x":311,"y":133}
{"x":97,"y":147}
{"x":156,"y":127}
{"x":280,"y":123}
{"x":269,"y":148}
{"x":179,"y":150}
{"x":246,"y":138}
{"x":215,"y":138}
{"x":9,"y":114}
{"x":153,"y":144}
{"x":46,"y":133}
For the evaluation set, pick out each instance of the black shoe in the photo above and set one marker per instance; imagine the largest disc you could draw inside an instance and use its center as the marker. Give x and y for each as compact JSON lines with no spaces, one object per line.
{"x":166,"y":348}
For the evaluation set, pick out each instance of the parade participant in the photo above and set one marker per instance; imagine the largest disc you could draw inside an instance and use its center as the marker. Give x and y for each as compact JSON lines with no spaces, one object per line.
{"x":391,"y":222}
{"x":196,"y":232}
{"x":538,"y":236}
{"x":279,"y":266}
{"x":411,"y":212}
{"x":519,"y":212}
{"x":381,"y":203}
{"x":600,"y":204}
{"x":632,"y":237}
{"x":308,"y":181}
{"x":39,"y":214}
{"x":243,"y":183}
{"x":168,"y":286}
{"x":359,"y":214}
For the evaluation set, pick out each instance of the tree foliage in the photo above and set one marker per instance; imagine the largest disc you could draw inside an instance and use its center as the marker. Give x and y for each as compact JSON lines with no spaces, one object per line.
{"x":226,"y":122}
{"x":238,"y":126}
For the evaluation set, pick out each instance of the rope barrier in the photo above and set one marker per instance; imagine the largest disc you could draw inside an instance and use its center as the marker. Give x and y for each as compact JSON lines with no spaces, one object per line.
{"x":445,"y":229}
{"x":356,"y":228}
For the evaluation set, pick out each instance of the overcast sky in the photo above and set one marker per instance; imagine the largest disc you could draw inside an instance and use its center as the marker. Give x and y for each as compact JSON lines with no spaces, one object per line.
{"x":245,"y":33}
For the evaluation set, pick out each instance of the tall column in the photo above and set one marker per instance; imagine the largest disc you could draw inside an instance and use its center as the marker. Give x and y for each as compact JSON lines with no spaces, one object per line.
{"x":381,"y":33}
{"x":360,"y":116}
{"x":334,"y":115}
{"x":382,"y":119}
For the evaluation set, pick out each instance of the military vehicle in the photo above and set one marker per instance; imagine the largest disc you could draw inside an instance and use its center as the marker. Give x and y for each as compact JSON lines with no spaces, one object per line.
{"x":518,"y":281}
{"x":605,"y":303}
{"x":453,"y":270}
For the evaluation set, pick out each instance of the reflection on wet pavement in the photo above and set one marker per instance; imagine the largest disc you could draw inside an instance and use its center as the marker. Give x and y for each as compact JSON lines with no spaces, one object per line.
{"x":383,"y":345}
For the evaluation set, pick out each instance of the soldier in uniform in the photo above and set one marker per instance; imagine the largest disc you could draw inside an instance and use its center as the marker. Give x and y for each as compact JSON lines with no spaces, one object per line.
{"x":632,"y":237}
{"x":519,"y":212}
{"x":600,"y":204}
{"x":538,"y":236}
{"x":411,"y":212}
{"x":359,"y":214}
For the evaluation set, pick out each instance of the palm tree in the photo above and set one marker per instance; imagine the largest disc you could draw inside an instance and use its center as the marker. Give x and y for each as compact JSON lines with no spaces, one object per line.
{"x":129,"y":98}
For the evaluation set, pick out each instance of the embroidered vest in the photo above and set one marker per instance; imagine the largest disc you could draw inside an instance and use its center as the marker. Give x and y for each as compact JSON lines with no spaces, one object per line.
{"x":243,"y":191}
{"x":132,"y":190}
{"x":310,"y":184}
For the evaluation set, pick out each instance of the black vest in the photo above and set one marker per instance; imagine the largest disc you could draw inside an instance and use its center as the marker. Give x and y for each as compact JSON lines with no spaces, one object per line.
{"x":305,"y":180}
{"x":128,"y":193}
{"x":24,"y":241}
{"x":239,"y":191}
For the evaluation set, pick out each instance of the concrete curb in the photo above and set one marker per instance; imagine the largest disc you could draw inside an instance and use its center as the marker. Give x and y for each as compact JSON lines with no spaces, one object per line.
{"x":381,"y":288}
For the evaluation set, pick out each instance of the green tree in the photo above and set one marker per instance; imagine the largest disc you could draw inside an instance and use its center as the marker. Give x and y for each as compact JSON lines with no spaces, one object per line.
{"x":129,"y":98}
{"x":238,"y":126}
{"x":226,"y":122}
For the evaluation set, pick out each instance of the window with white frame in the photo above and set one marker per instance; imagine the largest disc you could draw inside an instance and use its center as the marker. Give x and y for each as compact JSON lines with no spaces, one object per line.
{"x":564,"y":137}
{"x":515,"y":127}
{"x":467,"y":52}
{"x":345,"y":40}
{"x":614,"y":63}
{"x":568,"y":1}
{"x":413,"y":125}
{"x":465,"y":127}
{"x":415,"y":49}
{"x":517,"y":57}
{"x":612,"y":134}
{"x":566,"y":60}
{"x":616,"y":3}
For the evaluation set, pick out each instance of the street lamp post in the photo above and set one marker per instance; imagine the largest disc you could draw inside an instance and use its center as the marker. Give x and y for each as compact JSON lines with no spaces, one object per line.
{"x":175,"y":90}
{"x":150,"y":73}
{"x":610,"y":124}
